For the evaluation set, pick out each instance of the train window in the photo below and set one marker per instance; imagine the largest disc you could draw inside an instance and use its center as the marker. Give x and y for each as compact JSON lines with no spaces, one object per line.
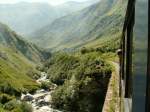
{"x":127,"y":47}
{"x":140,"y":56}
{"x":148,"y":68}
{"x":135,"y":68}
{"x":148,"y":79}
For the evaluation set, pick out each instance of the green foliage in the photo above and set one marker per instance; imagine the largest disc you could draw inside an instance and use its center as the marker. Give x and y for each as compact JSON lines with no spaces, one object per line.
{"x":16,"y":106}
{"x":30,"y":51}
{"x":11,"y":105}
{"x":84,"y":79}
{"x":25,"y":107}
{"x":33,"y":74}
{"x":4,"y":98}
{"x":60,"y":66}
{"x":84,"y":50}
{"x":111,"y":45}
{"x":46,"y":85}
{"x":13,"y":73}
{"x":2,"y":110}
{"x":17,"y":71}
{"x":8,"y":89}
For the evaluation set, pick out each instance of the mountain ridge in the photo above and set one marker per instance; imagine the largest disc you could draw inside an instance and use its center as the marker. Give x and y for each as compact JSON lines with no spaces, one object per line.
{"x":85,"y":25}
{"x":18,"y":60}
{"x":12,"y":40}
{"x":26,"y":17}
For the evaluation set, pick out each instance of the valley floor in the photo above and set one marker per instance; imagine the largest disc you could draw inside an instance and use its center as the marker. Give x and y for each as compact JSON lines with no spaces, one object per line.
{"x":41,"y":99}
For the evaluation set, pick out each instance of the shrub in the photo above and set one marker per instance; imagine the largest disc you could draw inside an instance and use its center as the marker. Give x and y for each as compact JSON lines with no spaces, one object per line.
{"x":11,"y":105}
{"x":33,"y":74}
{"x":84,"y":87}
{"x":4,"y":98}
{"x":46,"y":85}
{"x":82,"y":81}
{"x":84,"y":50}
{"x":25,"y":107}
{"x":61,"y":66}
{"x":8,"y":89}
{"x":16,"y":106}
{"x":31,"y":89}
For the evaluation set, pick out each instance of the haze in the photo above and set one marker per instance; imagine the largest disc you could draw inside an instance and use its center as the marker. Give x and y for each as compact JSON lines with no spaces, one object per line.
{"x":52,"y":2}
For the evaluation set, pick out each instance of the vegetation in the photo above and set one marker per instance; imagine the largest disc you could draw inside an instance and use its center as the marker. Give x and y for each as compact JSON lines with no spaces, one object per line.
{"x":13,"y":79}
{"x":46,"y":85}
{"x":91,"y":25}
{"x":82,"y":77}
{"x":13,"y":72}
{"x":17,"y":70}
{"x":106,"y":49}
{"x":16,"y":106}
{"x":82,"y":81}
{"x":30,"y":51}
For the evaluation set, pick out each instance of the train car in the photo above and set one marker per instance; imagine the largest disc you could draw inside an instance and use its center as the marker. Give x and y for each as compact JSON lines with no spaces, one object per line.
{"x":135,"y":58}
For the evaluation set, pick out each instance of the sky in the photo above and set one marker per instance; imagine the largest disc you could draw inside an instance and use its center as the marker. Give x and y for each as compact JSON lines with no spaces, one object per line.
{"x":52,"y":2}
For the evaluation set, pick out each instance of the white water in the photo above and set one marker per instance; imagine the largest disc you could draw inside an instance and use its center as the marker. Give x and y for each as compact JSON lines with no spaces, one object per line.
{"x":41,"y":100}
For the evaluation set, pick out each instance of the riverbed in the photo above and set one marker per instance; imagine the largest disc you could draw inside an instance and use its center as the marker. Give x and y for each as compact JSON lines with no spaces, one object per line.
{"x":41,"y":99}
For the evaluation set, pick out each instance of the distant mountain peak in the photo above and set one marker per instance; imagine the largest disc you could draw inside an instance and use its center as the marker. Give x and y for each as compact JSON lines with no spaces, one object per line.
{"x":25,"y":17}
{"x":79,"y":28}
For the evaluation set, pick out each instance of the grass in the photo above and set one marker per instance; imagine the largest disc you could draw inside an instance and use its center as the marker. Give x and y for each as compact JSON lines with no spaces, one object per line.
{"x":13,"y":71}
{"x":113,"y":104}
{"x":14,"y":80}
{"x":2,"y":110}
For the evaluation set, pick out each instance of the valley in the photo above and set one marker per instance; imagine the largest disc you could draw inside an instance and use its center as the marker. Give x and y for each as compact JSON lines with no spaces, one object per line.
{"x":56,"y":58}
{"x":27,"y":22}
{"x":97,"y":23}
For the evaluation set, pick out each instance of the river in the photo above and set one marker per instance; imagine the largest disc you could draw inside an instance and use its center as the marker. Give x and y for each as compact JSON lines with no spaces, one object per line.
{"x":41,"y":99}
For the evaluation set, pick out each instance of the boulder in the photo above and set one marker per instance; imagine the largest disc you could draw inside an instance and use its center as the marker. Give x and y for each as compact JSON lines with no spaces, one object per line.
{"x":42,"y":102}
{"x":27,"y":97}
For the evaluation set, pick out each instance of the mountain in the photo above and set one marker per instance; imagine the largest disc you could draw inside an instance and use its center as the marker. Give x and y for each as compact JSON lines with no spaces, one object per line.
{"x":72,"y":6}
{"x":14,"y":68}
{"x":25,"y":17}
{"x":75,"y":30}
{"x":18,"y":59}
{"x":10,"y":39}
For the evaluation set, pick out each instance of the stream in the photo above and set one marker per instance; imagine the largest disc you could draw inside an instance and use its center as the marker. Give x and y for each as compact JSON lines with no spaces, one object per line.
{"x":41,"y":99}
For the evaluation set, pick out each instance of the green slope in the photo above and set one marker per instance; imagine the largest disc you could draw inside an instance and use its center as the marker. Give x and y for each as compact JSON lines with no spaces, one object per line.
{"x":10,"y":39}
{"x":81,"y":81}
{"x":13,"y":72}
{"x":101,"y":20}
{"x":18,"y":59}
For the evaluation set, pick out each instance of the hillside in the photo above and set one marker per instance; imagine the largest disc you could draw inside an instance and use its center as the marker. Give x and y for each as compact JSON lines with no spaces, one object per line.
{"x":33,"y":79}
{"x":98,"y":21}
{"x":81,"y":81}
{"x":13,"y":72}
{"x":73,"y":6}
{"x":18,"y":59}
{"x":10,"y":39}
{"x":26,"y":17}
